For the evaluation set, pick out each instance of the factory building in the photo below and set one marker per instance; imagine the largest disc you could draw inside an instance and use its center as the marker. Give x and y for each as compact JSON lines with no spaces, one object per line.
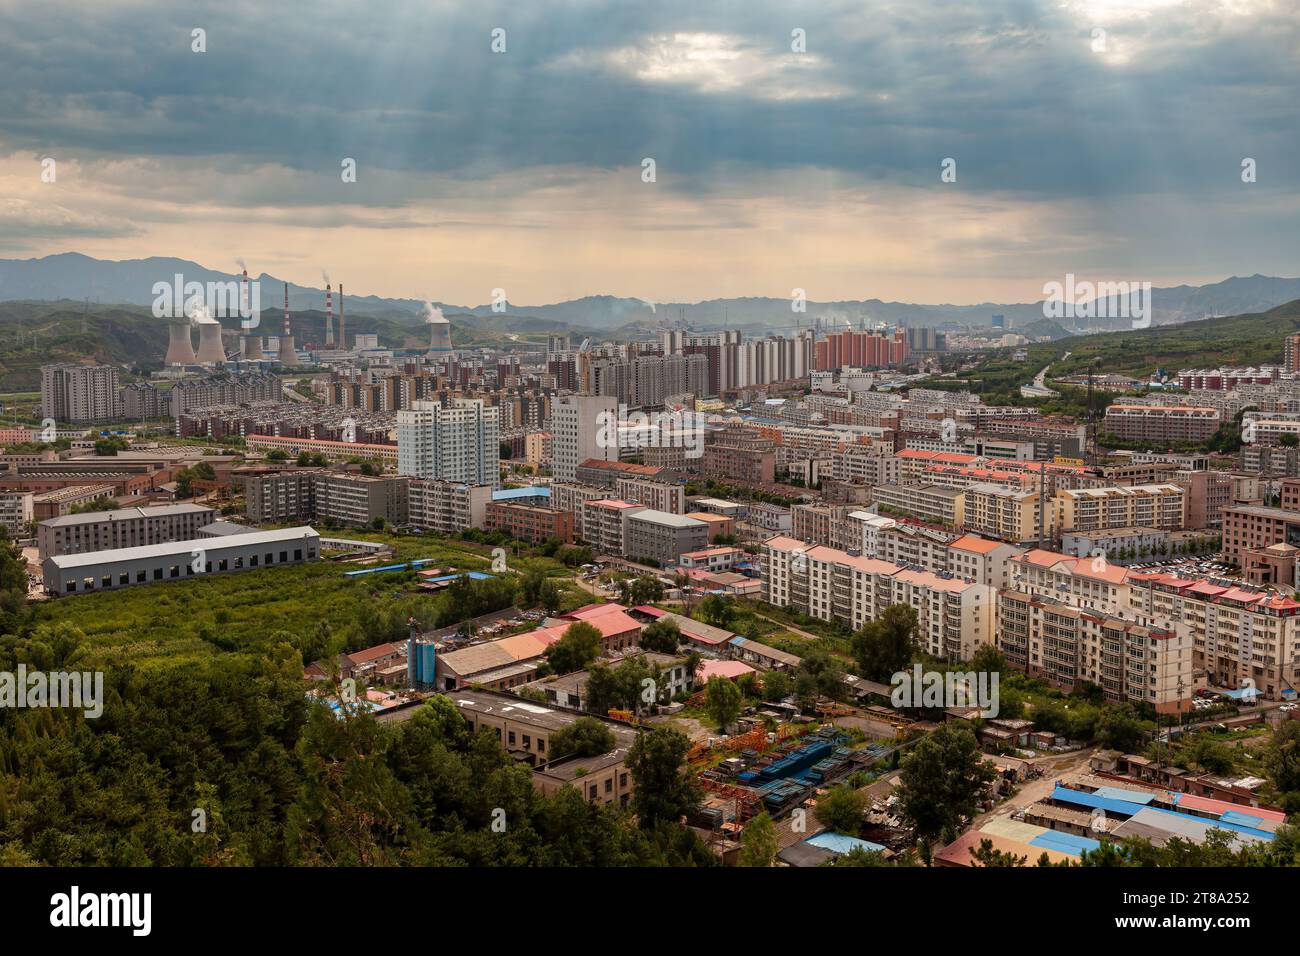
{"x":126,"y":567}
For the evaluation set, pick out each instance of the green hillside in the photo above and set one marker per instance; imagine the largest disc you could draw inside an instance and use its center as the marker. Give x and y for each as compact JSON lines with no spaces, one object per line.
{"x":1233,"y":340}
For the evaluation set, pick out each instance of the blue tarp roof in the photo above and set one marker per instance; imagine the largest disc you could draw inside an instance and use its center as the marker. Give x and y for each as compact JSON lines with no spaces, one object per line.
{"x":1245,"y":819}
{"x":1119,"y":793}
{"x":1092,"y":800}
{"x":839,"y":843}
{"x":1064,"y":842}
{"x":532,"y":491}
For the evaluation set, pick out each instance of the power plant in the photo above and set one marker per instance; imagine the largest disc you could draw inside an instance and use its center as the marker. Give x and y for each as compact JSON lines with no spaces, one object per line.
{"x":439,"y":330}
{"x":180,"y":347}
{"x":211,"y":351}
{"x":288,"y":354}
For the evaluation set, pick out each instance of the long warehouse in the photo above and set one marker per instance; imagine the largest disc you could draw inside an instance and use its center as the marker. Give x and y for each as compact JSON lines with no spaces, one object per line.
{"x":126,"y":567}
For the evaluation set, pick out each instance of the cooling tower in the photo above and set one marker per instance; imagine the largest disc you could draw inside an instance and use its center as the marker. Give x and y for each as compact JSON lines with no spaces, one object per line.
{"x":180,"y":348}
{"x":288,"y":354}
{"x":440,"y":337}
{"x":210,"y":350}
{"x":252,"y":348}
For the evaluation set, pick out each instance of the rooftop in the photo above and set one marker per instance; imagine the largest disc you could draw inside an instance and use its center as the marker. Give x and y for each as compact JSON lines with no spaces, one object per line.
{"x":184,"y":548}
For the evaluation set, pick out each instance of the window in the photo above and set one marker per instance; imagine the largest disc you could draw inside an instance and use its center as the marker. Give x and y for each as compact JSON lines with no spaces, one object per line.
{"x":124,"y":578}
{"x":106,"y":581}
{"x":270,"y":559}
{"x":175,"y":571}
{"x":72,"y":586}
{"x":141,"y":577}
{"x":512,"y":737}
{"x":252,"y":561}
{"x":284,"y":556}
{"x":297,"y":554}
{"x":157,"y":574}
{"x":528,"y":741}
{"x":609,"y":784}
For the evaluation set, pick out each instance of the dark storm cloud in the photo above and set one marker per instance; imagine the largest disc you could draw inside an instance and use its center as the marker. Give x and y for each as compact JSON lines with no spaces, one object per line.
{"x":1012,"y":91}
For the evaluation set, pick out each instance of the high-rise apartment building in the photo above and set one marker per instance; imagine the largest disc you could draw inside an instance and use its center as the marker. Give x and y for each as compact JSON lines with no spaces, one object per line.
{"x":455,"y":442}
{"x":80,"y":393}
{"x":581,"y":428}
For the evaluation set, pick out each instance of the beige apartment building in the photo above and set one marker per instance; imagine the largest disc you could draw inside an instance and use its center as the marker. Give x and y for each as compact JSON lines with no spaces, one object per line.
{"x":1162,"y":423}
{"x":1124,"y":506}
{"x":955,"y":617}
{"x":1239,"y":633}
{"x":930,"y":502}
{"x":1069,"y":646}
{"x":1009,"y":513}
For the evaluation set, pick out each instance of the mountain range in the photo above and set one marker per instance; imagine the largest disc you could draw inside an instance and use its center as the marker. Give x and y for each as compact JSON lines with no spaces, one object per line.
{"x":130,"y":282}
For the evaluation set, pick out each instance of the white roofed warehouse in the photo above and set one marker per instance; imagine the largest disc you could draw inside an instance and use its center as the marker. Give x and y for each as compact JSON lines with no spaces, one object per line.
{"x":127,"y":567}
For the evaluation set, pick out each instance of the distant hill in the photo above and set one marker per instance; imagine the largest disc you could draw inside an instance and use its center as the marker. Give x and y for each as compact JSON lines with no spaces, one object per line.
{"x":75,"y":276}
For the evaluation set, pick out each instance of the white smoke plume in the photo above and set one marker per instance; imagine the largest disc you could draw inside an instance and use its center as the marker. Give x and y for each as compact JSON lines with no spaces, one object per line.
{"x":432,"y":314}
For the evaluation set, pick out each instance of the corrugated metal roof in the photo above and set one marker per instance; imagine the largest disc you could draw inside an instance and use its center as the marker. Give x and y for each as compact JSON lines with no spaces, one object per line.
{"x":170,"y":548}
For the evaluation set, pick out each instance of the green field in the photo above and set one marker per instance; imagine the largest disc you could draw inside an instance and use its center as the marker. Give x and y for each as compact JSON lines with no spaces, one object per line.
{"x":179,"y":621}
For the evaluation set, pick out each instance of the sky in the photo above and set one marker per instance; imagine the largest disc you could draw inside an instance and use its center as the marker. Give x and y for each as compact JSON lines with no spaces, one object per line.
{"x":794,"y":146}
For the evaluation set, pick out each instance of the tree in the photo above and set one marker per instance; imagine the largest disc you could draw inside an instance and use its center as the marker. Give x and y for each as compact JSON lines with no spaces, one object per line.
{"x":776,"y":686}
{"x":1120,"y":728}
{"x":550,"y":596}
{"x":758,"y":844}
{"x":715,"y":609}
{"x":664,"y":791}
{"x":576,"y":648}
{"x":942,"y":781}
{"x":843,"y":810}
{"x":986,"y":855}
{"x":722,"y":700}
{"x":662,"y":636}
{"x":1282,"y":758}
{"x":585,"y":737}
{"x":885,"y":646}
{"x":819,"y":675}
{"x":988,"y":660}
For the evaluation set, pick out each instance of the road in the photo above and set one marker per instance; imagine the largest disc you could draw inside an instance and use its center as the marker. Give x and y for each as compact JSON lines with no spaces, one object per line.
{"x":1039,"y":389}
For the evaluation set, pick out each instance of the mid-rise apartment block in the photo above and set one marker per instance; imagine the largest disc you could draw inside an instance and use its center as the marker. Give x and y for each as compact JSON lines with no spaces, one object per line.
{"x":1124,"y":506}
{"x":447,"y":507}
{"x":121,"y":528}
{"x":955,"y":616}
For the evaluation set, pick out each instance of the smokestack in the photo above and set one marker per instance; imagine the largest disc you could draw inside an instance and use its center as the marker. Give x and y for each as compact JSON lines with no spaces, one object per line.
{"x":211,"y":351}
{"x":329,"y":317}
{"x":288,"y":354}
{"x":180,"y":346}
{"x":343,"y":336}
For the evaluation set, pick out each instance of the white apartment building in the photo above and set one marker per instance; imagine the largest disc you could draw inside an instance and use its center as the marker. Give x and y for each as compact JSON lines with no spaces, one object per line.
{"x":457,"y":442}
{"x":577,"y":434}
{"x":447,"y":507}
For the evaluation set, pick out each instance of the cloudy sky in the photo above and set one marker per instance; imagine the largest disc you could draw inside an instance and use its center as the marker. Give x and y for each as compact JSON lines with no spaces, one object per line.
{"x":1103,"y":138}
